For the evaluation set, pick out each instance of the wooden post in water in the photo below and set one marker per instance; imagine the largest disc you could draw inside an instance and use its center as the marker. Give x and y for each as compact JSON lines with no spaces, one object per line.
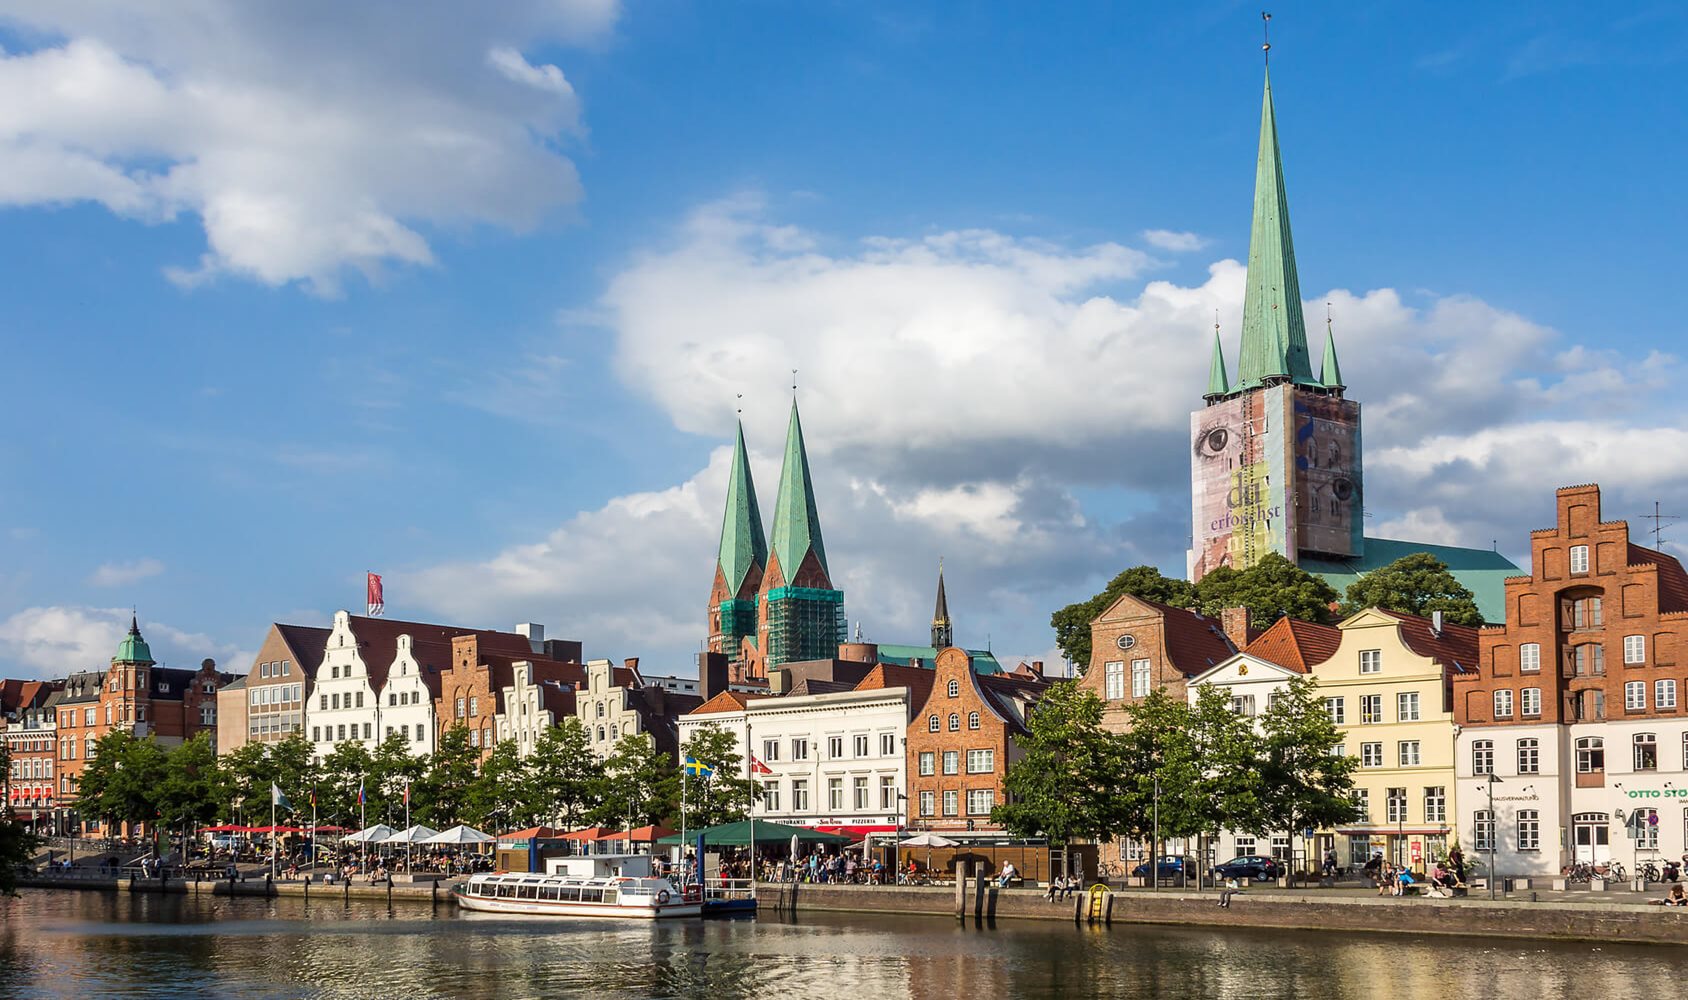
{"x":962,"y":868}
{"x":1108,"y":908}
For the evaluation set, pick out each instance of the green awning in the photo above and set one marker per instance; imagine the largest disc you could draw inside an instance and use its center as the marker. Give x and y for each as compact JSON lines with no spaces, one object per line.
{"x":738,"y":835}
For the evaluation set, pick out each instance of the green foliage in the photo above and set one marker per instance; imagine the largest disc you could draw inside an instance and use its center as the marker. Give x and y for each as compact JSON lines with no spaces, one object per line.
{"x":337,"y":780}
{"x":440,"y":797}
{"x":18,"y":844}
{"x":123,"y":781}
{"x":1306,"y":784}
{"x":1204,"y":760}
{"x":195,"y":788}
{"x":1072,"y":623}
{"x":390,"y":768}
{"x":726,"y":796}
{"x":1069,"y":781}
{"x":641,"y":785}
{"x":1417,"y":584}
{"x":497,"y":798}
{"x":564,"y":776}
{"x":1270,"y":589}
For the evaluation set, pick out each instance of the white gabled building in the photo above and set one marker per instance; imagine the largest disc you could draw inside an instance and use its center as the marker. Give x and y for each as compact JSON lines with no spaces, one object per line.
{"x":528,"y":706}
{"x":836,"y":759}
{"x":346,"y":706}
{"x":407,"y":699}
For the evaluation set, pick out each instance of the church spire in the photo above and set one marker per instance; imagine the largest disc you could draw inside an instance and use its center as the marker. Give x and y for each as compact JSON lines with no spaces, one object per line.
{"x":943,"y":630}
{"x":1330,"y":374}
{"x":744,"y":549}
{"x":1274,"y":347}
{"x":797,"y":525}
{"x":1218,"y":383}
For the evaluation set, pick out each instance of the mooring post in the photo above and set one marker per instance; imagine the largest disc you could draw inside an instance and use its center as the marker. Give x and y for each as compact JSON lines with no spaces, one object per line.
{"x":962,"y":868}
{"x":979,"y":895}
{"x":1108,"y":908}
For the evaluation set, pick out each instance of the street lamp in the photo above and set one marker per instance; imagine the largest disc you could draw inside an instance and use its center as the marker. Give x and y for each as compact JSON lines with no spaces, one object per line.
{"x":1494,"y":829}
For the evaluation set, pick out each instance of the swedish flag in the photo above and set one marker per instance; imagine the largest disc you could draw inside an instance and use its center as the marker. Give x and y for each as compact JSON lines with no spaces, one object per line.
{"x":698,"y":768}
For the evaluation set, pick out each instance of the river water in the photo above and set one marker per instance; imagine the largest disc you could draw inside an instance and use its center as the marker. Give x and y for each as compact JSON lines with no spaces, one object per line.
{"x":90,"y":944}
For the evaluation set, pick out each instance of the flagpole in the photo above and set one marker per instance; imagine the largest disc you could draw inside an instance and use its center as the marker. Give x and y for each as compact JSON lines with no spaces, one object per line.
{"x":313,"y":828}
{"x":408,"y":837}
{"x":683,"y":819}
{"x":273,"y":797}
{"x":363,"y":824}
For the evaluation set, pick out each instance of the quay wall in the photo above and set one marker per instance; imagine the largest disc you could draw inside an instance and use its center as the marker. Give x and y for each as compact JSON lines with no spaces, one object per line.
{"x":1566,"y":921}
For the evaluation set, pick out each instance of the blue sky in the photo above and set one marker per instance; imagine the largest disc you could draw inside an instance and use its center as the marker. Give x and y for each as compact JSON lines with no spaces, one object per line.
{"x":293,"y":295}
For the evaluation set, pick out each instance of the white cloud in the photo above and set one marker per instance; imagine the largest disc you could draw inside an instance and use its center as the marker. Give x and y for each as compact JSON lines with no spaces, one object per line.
{"x":1173,"y":242}
{"x":53,"y":641}
{"x":124,"y":574}
{"x":305,"y":143}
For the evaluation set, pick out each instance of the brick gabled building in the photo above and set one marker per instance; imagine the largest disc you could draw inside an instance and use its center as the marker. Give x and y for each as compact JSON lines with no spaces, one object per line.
{"x":28,"y":725}
{"x":961,"y":741}
{"x":1138,"y":646}
{"x":483,"y":666}
{"x":1575,"y":713}
{"x":280,"y":684}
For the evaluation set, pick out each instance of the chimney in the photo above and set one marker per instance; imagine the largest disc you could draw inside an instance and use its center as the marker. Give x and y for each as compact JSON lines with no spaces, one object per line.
{"x":1235,"y":623}
{"x":632,"y":665}
{"x":1436,"y":622}
{"x":534,"y":633}
{"x":1037,"y":667}
{"x":711,"y":674}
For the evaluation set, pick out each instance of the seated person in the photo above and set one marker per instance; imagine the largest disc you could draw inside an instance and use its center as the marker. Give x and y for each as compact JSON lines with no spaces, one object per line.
{"x":1057,"y":885}
{"x":1676,"y":896}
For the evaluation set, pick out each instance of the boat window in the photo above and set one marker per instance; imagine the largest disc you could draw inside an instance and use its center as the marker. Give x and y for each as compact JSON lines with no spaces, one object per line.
{"x":591,"y":895}
{"x":570,"y":894}
{"x":529,"y":892}
{"x":548,"y":892}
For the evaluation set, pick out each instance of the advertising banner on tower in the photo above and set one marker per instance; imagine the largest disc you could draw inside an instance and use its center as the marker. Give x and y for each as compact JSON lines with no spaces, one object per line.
{"x":1238,"y":459}
{"x":1329,"y":515}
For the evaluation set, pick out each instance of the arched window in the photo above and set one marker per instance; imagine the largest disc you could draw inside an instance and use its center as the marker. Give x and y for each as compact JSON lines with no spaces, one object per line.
{"x":931,"y":723}
{"x":600,"y":734}
{"x":600,"y":710}
{"x":613,"y":734}
{"x":954,"y":688}
{"x":954,"y":722}
{"x":1591,"y":755}
{"x":972,"y":720}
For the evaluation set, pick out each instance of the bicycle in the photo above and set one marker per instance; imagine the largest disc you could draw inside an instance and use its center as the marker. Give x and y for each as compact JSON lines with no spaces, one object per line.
{"x":1650,"y":873}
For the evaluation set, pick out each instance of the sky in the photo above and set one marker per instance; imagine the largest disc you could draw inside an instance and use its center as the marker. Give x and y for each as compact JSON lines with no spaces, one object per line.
{"x":296,"y":291}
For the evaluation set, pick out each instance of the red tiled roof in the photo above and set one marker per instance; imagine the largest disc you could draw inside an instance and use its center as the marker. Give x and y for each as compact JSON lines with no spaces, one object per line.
{"x":1295,"y":644}
{"x":918,"y":680}
{"x":1673,"y":582}
{"x":726,"y":701}
{"x":1455,"y":648}
{"x":1194,"y":642}
{"x":533,"y":833}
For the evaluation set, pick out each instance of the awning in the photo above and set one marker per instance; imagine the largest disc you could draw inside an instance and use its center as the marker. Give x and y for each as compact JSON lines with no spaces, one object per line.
{"x":1396,"y":831}
{"x":857,"y":832}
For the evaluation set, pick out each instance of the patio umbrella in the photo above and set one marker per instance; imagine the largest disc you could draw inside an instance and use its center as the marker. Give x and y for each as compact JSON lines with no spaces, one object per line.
{"x":928,"y":840}
{"x":794,"y":848}
{"x":412,"y":835}
{"x":459,"y":834}
{"x":372,"y":835}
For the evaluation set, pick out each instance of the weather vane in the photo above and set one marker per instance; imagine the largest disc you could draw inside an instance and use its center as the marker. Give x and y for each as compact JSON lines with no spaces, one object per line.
{"x":1266,"y":36}
{"x":740,"y":404}
{"x":794,"y":381}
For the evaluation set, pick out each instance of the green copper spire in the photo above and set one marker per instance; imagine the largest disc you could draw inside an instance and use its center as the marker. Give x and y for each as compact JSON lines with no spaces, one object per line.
{"x":743,"y":546}
{"x":1331,"y":375}
{"x":133,"y":648}
{"x":1218,"y":383}
{"x":1274,"y":334}
{"x":797,"y":527}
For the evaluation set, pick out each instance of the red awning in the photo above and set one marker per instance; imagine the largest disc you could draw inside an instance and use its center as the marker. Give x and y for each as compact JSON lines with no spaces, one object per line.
{"x":226,"y":828}
{"x":857,"y":832}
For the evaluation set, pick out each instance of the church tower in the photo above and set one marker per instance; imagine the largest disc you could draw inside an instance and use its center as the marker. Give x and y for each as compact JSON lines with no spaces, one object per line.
{"x":739,"y":565}
{"x":801,"y":614}
{"x":1275,"y":452}
{"x":943,"y":630}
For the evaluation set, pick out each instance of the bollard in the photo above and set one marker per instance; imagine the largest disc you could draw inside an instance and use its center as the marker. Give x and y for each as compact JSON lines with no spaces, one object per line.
{"x":979,"y":896}
{"x":1108,"y":908}
{"x":1080,"y":901}
{"x":389,"y":892}
{"x":961,"y":870}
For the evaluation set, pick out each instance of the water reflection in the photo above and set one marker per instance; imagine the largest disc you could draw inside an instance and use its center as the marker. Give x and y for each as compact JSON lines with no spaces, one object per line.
{"x":61,"y":944}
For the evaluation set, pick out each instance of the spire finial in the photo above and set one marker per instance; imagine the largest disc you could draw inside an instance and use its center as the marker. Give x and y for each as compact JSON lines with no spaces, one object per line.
{"x":794,"y":383}
{"x":1266,"y":36}
{"x":739,"y":406}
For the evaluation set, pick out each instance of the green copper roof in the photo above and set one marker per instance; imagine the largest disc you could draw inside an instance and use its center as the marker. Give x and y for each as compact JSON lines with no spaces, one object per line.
{"x":133,"y":648}
{"x":1331,"y":374}
{"x":743,"y":546}
{"x":1274,"y":334}
{"x":797,"y":527}
{"x":1482,"y":571}
{"x":1218,"y":383}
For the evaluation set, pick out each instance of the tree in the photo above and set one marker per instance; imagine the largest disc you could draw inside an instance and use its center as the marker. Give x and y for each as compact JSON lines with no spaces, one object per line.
{"x":498,"y":795}
{"x":641,"y":785}
{"x":1270,"y":589}
{"x":725,"y":796}
{"x":345,"y":768}
{"x":564,"y":775}
{"x":391,"y":767}
{"x":195,"y":788}
{"x":438,"y":798}
{"x":1416,"y":584}
{"x":1072,"y":623}
{"x":1307,"y":785}
{"x":1069,"y":781}
{"x":123,"y":780}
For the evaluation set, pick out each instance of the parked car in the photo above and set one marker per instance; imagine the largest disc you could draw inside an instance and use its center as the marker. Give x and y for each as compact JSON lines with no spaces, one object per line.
{"x":1250,"y":866}
{"x":1170,"y":867}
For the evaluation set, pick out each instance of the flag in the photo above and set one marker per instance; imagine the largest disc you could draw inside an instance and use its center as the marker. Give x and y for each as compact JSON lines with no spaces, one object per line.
{"x":377,"y":603}
{"x":278,"y":799}
{"x":407,"y":793}
{"x":698,"y":768}
{"x":313,"y":798}
{"x":757,"y":767}
{"x":360,"y":792}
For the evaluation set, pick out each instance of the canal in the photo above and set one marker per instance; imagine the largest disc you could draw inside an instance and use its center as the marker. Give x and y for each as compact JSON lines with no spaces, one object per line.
{"x":84,"y":944}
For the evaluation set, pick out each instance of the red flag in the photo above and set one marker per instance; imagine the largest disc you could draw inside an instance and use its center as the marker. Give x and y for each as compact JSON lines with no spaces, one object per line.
{"x":377,"y":604}
{"x":757,"y":767}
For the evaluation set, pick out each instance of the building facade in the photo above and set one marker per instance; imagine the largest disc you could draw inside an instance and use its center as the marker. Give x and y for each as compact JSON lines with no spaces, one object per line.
{"x":29,"y":727}
{"x":1574,"y":719}
{"x":1138,"y":646}
{"x":961,"y":742}
{"x":615,"y":703}
{"x":279,"y":684}
{"x":529,"y":705}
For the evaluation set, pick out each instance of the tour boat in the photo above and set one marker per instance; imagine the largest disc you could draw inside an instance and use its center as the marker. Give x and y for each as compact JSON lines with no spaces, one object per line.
{"x":562,"y":895}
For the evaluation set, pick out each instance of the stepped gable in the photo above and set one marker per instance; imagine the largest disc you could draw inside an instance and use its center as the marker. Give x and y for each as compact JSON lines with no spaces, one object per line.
{"x":1673,"y":582}
{"x":378,"y":642}
{"x":1295,"y":644}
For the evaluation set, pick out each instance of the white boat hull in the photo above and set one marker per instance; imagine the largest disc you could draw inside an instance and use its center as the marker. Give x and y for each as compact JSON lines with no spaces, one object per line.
{"x":555,"y":908}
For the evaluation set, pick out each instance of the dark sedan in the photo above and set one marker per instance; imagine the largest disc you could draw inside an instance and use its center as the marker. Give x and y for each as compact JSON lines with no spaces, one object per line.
{"x":1169,"y":867}
{"x":1250,"y":866}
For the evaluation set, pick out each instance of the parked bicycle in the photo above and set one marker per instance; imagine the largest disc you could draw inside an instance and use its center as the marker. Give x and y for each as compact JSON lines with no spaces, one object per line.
{"x":1582,"y":872}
